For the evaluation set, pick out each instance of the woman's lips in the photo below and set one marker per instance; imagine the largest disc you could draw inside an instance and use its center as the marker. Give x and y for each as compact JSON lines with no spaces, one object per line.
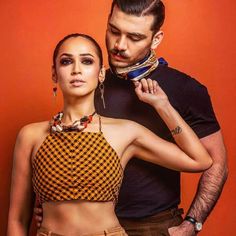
{"x":77,"y":82}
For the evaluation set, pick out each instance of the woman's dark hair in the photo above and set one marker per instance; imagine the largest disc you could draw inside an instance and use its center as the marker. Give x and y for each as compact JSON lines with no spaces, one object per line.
{"x":98,"y":48}
{"x":143,"y":8}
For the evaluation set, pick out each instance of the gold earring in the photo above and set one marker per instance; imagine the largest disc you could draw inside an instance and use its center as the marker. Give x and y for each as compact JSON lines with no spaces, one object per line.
{"x":101,"y":88}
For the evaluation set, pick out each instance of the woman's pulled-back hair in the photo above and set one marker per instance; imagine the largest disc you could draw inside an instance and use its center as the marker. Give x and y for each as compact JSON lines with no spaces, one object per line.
{"x":75,"y":35}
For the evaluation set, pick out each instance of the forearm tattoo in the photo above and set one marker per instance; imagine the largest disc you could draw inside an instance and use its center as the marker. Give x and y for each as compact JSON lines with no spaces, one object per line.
{"x":176,"y":130}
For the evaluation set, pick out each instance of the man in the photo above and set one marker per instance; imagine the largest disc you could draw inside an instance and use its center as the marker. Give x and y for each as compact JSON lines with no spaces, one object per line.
{"x":151,"y":194}
{"x":149,"y":197}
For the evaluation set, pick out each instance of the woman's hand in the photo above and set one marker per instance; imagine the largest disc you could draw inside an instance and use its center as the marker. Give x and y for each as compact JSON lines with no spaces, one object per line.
{"x":150,"y":92}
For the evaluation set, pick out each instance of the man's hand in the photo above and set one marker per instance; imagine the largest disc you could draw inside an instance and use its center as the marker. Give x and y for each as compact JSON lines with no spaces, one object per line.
{"x":184,"y":229}
{"x":38,"y":215}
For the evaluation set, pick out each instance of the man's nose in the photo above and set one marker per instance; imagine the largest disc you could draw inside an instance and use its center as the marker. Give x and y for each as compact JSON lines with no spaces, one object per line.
{"x":121,"y":43}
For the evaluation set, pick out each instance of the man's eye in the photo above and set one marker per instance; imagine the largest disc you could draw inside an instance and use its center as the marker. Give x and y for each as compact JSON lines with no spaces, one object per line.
{"x":115,"y":32}
{"x":66,"y":61}
{"x":135,"y":39}
{"x":87,"y":61}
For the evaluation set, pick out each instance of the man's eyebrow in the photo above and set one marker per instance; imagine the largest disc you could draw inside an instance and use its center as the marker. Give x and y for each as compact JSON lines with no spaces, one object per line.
{"x":134,"y":34}
{"x":113,"y":26}
{"x":141,"y":36}
{"x":81,"y":54}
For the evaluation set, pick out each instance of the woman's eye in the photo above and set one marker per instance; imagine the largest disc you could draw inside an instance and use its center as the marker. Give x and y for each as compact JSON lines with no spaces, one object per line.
{"x":87,"y":61}
{"x":66,"y":61}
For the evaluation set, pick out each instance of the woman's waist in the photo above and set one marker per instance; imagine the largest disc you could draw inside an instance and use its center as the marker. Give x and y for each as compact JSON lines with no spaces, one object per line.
{"x":78,"y":216}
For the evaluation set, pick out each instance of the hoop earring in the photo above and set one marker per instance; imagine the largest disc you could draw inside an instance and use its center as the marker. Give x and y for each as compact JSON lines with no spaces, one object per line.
{"x":101,"y":88}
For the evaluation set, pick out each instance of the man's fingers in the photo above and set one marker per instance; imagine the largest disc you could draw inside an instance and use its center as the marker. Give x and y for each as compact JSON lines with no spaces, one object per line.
{"x":38,"y":218}
{"x":38,"y":210}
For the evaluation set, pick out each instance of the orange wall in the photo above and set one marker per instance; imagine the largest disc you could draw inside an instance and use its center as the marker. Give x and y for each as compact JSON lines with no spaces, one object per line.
{"x":199,"y":39}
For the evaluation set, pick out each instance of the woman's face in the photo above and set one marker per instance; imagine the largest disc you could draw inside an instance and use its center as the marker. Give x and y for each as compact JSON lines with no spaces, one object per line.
{"x":77,"y":68}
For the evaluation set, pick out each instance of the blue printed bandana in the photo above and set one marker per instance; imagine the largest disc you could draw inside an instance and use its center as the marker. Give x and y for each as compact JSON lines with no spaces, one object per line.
{"x":141,"y":69}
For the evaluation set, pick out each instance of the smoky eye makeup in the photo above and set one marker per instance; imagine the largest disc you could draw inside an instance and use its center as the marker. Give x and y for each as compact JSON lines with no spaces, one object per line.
{"x":87,"y":60}
{"x":66,"y":61}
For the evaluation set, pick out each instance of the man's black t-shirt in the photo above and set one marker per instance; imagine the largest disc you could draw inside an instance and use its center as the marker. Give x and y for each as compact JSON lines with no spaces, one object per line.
{"x":148,"y":188}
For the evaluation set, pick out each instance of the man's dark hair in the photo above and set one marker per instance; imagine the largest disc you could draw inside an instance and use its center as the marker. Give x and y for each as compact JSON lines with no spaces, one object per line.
{"x":143,"y":8}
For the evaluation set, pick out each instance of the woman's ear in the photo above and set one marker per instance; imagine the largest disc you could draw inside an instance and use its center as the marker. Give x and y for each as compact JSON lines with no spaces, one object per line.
{"x":102,"y":74}
{"x":157,"y":38}
{"x":54,"y":74}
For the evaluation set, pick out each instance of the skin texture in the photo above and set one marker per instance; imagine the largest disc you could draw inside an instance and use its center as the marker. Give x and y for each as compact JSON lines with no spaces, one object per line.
{"x":77,"y":71}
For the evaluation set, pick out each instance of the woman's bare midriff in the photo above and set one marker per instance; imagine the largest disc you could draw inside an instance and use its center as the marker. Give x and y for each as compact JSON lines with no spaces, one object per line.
{"x":78,"y":217}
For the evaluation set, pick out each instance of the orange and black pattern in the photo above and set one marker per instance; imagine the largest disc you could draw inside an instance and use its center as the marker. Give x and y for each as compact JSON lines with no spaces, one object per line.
{"x":76,"y":165}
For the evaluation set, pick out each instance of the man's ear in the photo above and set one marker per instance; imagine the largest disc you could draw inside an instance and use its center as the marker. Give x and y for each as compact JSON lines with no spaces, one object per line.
{"x":157,"y":38}
{"x":54,"y":75}
{"x":102,"y":74}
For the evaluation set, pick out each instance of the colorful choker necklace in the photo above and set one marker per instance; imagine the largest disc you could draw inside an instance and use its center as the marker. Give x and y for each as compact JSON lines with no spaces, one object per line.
{"x":78,"y":125}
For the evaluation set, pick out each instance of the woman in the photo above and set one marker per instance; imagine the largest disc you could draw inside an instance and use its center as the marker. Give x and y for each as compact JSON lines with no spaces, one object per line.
{"x":75,"y":163}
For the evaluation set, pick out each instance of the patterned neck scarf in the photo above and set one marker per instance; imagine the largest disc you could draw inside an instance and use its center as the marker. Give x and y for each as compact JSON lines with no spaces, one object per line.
{"x":140,"y":70}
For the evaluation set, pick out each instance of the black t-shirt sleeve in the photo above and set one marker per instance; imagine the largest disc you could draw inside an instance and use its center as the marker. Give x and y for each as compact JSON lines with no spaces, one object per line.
{"x":199,"y":113}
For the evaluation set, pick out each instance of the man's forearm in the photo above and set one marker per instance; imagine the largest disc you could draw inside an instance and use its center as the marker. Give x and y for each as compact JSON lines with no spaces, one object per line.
{"x":212,"y":180}
{"x":209,"y":190}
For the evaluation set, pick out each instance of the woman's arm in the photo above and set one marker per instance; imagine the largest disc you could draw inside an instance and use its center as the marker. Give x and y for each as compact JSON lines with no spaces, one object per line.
{"x":22,"y":197}
{"x":189,"y":155}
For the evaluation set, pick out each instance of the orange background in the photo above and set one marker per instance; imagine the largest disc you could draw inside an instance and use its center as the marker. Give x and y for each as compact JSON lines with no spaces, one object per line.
{"x":199,"y":40}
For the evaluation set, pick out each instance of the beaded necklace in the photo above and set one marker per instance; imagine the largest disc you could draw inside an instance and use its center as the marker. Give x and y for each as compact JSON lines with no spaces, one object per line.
{"x":78,"y":125}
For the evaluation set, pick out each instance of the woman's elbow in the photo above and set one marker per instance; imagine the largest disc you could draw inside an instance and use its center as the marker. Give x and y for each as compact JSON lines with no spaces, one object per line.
{"x":209,"y":163}
{"x":206,"y":164}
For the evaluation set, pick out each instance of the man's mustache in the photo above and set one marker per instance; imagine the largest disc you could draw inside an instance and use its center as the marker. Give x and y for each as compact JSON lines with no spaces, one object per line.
{"x":119,"y":53}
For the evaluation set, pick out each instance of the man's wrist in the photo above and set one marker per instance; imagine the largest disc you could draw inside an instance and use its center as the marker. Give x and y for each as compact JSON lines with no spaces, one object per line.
{"x":196,"y":224}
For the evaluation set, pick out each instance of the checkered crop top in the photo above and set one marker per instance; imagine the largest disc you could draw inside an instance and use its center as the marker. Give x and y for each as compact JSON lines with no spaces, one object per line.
{"x":76,"y":165}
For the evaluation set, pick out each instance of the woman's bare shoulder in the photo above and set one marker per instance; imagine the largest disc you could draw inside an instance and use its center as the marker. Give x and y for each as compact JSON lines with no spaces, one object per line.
{"x":118,"y":122}
{"x":121,"y":125}
{"x":33,"y":131}
{"x":28,"y":137}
